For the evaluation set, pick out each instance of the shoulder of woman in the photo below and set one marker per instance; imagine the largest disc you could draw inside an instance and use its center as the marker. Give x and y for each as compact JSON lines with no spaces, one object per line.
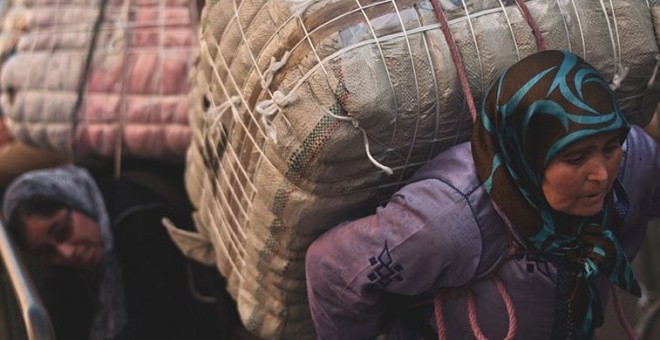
{"x":641,"y":157}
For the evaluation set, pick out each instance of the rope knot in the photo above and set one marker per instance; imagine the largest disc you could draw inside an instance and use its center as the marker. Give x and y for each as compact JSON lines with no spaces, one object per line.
{"x":269,"y":107}
{"x":274,"y":66}
{"x":619,"y":76}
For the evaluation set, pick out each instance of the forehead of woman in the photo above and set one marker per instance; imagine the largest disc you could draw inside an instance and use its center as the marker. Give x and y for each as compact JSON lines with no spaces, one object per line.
{"x":547,"y":101}
{"x":67,"y":186}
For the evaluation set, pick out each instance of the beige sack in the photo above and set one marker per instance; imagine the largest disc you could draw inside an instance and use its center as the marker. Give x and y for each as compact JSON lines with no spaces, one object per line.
{"x":301,"y":108}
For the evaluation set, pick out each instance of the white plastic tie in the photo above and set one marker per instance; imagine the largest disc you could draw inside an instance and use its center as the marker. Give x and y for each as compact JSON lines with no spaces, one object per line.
{"x":655,"y":72}
{"x":619,"y":76}
{"x":274,"y":66}
{"x":365,"y":138}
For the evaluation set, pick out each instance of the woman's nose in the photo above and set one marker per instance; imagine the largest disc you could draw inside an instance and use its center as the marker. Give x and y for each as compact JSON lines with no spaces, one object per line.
{"x":597,"y":169}
{"x":65,"y":250}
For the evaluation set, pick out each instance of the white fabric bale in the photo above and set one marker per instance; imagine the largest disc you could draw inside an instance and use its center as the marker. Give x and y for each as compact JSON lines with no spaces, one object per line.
{"x":132,"y":102}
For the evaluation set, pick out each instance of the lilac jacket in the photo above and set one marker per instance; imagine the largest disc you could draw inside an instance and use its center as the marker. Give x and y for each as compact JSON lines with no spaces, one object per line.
{"x":442,"y":231}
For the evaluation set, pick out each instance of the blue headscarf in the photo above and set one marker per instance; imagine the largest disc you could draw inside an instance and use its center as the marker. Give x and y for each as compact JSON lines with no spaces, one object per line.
{"x":534,"y":110}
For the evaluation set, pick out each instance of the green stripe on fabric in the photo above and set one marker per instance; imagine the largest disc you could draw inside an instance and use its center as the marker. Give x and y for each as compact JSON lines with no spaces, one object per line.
{"x":298,"y":165}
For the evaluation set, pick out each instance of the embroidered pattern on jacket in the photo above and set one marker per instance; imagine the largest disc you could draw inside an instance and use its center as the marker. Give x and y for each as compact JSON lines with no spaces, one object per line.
{"x":384,"y":270}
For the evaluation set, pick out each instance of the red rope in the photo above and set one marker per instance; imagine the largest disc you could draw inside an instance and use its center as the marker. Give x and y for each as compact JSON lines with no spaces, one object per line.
{"x":444,"y":26}
{"x":439,"y":318}
{"x":510,"y":311}
{"x":472,"y":314}
{"x":540,"y":42}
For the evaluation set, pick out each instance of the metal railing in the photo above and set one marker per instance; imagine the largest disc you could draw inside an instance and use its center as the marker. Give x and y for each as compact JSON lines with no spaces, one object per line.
{"x":35,"y":317}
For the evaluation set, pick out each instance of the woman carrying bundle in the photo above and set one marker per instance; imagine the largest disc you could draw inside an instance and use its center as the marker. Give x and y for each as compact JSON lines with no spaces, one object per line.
{"x":519,"y":233}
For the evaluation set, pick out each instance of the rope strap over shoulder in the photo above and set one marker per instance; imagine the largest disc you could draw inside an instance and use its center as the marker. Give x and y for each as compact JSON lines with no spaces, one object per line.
{"x":472,"y":313}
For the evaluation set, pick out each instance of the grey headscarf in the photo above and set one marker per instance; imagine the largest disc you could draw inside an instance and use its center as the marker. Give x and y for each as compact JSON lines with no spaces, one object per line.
{"x":75,"y":188}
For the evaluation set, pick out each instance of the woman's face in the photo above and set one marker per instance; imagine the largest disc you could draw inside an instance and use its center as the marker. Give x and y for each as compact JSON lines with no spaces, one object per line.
{"x":67,"y":238}
{"x":577,"y":180}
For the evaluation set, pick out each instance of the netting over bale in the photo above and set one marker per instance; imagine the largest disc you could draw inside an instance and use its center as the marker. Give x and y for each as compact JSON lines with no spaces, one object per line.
{"x":97,"y":78}
{"x":302,"y":108}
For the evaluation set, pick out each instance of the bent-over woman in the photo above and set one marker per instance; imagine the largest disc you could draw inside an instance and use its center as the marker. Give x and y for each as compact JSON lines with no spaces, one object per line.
{"x":519,"y":233}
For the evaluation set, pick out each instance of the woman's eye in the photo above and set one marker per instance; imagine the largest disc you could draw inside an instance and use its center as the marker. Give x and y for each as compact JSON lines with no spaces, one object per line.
{"x":611,"y":148}
{"x":61,"y":232}
{"x":45,"y":252}
{"x":574,"y":160}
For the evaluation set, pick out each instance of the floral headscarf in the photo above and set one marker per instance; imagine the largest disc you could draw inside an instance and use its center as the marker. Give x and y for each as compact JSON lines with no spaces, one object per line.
{"x":536,"y":109}
{"x":74,"y":187}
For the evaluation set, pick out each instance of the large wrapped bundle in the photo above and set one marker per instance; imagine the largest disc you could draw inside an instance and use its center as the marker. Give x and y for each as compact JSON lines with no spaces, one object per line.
{"x":306,"y":113}
{"x":99,"y":78}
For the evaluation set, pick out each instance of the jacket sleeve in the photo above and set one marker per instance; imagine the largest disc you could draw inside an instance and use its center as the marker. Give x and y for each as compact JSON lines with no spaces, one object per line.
{"x":426,"y":237}
{"x":653,"y":161}
{"x":639,"y":174}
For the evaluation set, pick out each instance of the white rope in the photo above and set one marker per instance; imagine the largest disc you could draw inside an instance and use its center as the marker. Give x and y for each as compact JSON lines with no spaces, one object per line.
{"x":378,"y":44}
{"x":355,"y":123}
{"x":616,"y":55}
{"x":275,"y":65}
{"x":365,"y":138}
{"x":654,"y":75}
{"x":388,"y":37}
{"x":267,"y":108}
{"x":269,"y":74}
{"x":616,"y":30}
{"x":320,"y":64}
{"x":250,"y":137}
{"x":436,"y":89}
{"x":508,"y":21}
{"x":234,"y":233}
{"x":221,"y":85}
{"x":579,"y":23}
{"x":218,"y":239}
{"x":620,"y":69}
{"x":219,"y":112}
{"x":563,"y":19}
{"x":476,"y":45}
{"x":419,"y":112}
{"x":386,"y":169}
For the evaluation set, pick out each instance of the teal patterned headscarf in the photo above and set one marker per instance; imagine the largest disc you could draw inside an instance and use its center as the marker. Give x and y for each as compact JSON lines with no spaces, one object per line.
{"x":537,"y":108}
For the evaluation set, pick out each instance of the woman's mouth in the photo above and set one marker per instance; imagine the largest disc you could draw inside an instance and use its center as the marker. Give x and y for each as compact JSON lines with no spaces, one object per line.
{"x":594,"y":198}
{"x":88,"y":256}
